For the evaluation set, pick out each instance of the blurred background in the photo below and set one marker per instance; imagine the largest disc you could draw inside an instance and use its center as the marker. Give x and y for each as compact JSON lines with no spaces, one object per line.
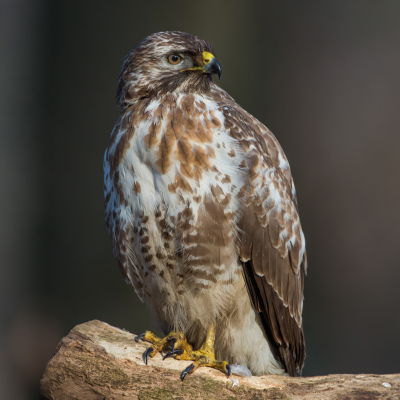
{"x":322,"y":75}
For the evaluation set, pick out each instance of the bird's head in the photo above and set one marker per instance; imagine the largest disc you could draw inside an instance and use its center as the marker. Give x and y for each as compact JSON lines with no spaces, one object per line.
{"x":166,"y":62}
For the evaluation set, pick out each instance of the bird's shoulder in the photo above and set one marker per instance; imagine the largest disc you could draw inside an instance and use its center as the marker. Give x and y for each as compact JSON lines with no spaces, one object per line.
{"x":252,"y":136}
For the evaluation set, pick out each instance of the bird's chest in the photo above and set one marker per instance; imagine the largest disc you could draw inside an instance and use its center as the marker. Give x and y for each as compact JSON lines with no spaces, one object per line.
{"x":180,"y":179}
{"x":178,"y":153}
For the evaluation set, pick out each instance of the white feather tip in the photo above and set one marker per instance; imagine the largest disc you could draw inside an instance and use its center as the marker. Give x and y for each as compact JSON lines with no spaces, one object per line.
{"x":239,"y":369}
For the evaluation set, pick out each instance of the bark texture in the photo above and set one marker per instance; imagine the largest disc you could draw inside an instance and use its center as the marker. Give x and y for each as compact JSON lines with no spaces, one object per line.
{"x":99,"y":361}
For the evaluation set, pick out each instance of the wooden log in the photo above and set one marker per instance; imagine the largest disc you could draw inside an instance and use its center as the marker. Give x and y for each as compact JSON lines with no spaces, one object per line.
{"x":99,"y":361}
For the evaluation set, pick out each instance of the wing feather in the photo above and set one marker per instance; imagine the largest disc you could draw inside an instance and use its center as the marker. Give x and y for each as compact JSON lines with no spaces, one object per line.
{"x":247,"y":240}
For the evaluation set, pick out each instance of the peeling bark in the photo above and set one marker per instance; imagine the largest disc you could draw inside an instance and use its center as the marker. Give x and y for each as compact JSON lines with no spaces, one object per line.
{"x":98,"y":361}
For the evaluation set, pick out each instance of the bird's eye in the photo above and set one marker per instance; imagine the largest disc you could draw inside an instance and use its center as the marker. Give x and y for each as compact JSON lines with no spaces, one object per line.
{"x":174,"y":59}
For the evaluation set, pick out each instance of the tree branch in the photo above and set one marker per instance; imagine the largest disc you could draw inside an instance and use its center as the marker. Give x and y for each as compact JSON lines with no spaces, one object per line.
{"x":98,"y":361}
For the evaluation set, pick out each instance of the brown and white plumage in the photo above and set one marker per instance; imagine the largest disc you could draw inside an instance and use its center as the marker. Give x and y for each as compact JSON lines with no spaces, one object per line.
{"x":202,"y":211}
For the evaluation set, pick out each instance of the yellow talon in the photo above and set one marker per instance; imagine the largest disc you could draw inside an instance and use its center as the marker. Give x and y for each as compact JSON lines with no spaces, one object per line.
{"x":178,"y":347}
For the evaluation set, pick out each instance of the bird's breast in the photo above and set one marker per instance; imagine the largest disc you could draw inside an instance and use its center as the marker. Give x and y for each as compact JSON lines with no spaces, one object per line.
{"x":175,"y":174}
{"x":177,"y":149}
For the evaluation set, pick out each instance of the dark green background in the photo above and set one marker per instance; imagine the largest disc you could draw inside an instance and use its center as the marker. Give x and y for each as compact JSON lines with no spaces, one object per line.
{"x":322,"y":75}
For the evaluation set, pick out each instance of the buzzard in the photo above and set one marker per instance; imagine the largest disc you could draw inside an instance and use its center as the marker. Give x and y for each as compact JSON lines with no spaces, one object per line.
{"x":202,"y":212}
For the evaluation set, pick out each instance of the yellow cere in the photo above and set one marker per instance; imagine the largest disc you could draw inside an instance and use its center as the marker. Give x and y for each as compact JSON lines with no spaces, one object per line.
{"x":207,"y":57}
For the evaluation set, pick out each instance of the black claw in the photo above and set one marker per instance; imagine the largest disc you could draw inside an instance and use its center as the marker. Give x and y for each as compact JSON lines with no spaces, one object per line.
{"x":228,"y":370}
{"x":186,"y":371}
{"x":140,"y":336}
{"x":173,"y":352}
{"x":146,"y":354}
{"x":171,"y":348}
{"x":173,"y":340}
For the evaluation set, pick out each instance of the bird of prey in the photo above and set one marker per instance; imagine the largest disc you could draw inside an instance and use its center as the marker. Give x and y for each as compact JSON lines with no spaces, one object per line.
{"x":203,"y":217}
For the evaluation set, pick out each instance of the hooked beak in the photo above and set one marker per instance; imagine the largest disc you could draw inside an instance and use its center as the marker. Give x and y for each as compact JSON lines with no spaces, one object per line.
{"x":211,"y":64}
